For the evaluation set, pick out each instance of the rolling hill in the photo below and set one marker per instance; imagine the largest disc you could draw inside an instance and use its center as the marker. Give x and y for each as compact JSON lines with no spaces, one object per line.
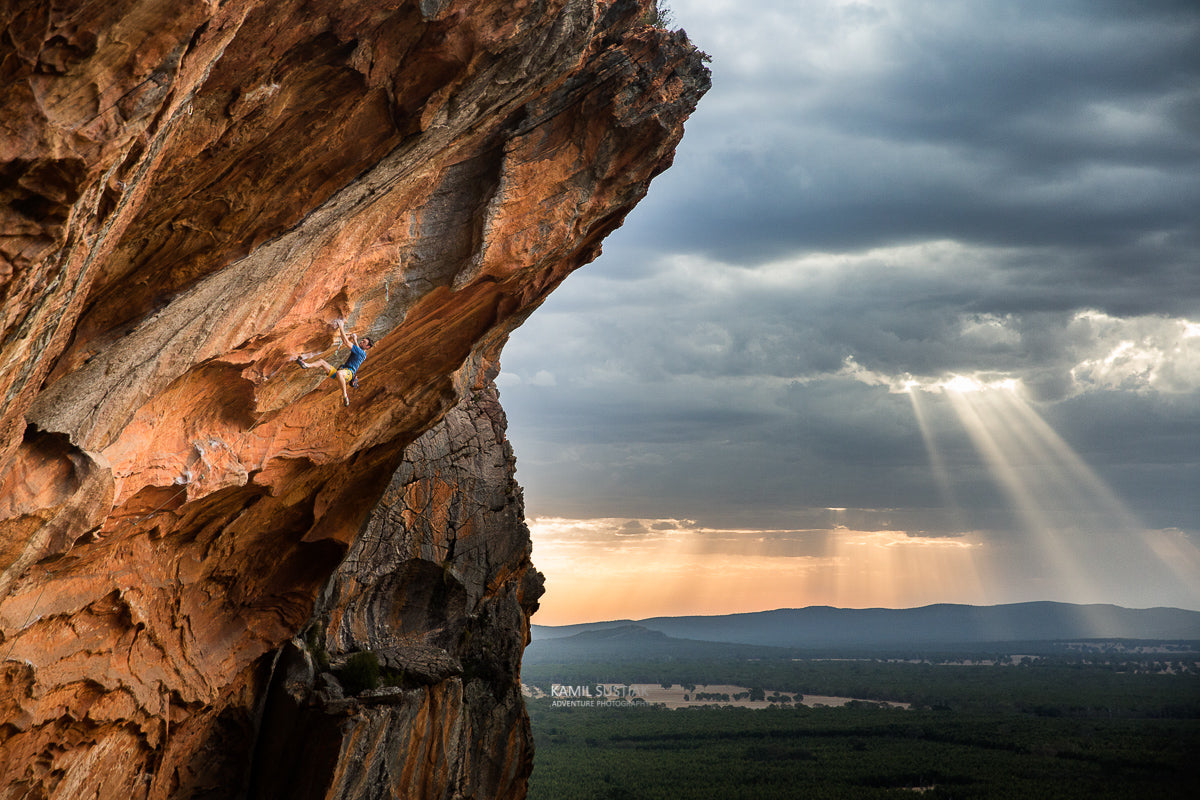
{"x":824,"y":626}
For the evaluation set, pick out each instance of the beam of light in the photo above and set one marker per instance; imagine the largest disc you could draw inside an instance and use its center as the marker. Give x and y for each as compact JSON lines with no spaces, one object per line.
{"x":1110,"y":503}
{"x":999,"y":449}
{"x":980,"y":591}
{"x":1089,"y":539}
{"x":1174,"y":549}
{"x":895,"y":569}
{"x":937,"y":464}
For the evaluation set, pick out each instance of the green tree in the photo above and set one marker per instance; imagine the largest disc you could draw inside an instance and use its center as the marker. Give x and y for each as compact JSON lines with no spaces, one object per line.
{"x":659,"y":15}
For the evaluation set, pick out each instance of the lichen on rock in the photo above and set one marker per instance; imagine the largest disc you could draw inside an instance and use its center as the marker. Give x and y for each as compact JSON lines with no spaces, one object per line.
{"x":192,"y":194}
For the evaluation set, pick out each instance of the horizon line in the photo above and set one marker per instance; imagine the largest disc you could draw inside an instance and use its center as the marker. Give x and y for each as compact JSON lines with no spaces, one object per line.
{"x":863,"y":608}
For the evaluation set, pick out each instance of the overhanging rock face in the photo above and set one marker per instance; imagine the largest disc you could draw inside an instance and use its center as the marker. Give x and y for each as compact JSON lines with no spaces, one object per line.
{"x":192,"y":193}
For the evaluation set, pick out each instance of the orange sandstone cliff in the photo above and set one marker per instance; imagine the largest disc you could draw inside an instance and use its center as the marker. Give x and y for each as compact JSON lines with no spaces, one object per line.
{"x":215,"y":579}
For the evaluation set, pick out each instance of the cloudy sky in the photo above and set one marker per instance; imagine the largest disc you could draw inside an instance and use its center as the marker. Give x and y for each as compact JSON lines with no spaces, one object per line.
{"x":914,"y":318}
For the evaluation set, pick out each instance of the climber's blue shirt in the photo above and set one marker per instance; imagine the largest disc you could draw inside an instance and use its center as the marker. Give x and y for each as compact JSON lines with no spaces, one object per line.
{"x":357,"y":355}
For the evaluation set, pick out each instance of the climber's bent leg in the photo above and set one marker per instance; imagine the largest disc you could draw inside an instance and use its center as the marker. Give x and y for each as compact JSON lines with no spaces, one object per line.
{"x":320,"y":362}
{"x":343,"y":376}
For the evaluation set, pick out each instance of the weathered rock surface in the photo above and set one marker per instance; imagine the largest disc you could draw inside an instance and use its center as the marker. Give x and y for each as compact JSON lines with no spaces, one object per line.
{"x":191,"y":193}
{"x":437,"y":592}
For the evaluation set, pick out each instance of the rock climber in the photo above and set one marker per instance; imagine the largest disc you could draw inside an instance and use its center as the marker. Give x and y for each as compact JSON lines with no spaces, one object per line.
{"x":347,"y":372}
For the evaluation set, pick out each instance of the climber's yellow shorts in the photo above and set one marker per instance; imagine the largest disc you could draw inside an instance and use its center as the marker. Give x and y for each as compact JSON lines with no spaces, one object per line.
{"x":348,"y":374}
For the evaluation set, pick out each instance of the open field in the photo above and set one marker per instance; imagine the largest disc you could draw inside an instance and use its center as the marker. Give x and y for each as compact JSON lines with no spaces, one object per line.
{"x":677,"y":696}
{"x":1055,"y":726}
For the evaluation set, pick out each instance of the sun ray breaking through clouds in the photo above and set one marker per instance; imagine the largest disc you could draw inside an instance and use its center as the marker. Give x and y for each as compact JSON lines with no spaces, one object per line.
{"x":1023,"y":481}
{"x":1081,"y":533}
{"x":1072,"y":515}
{"x":937,"y":465}
{"x":844,"y":226}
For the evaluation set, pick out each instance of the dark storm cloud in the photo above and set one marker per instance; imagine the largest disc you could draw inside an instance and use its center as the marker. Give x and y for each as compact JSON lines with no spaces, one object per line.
{"x":924,"y":310}
{"x":876,"y":193}
{"x":1033,"y":124}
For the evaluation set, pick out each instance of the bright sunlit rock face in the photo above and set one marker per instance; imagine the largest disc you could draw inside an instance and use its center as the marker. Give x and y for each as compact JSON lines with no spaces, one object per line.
{"x":192,"y":194}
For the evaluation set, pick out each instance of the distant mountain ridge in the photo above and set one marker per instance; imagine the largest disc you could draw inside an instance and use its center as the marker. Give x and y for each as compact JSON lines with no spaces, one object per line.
{"x":825,"y":626}
{"x":632,"y":641}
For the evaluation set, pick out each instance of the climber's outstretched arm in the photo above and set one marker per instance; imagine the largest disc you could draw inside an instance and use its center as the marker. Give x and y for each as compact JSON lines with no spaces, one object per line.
{"x":350,"y":340}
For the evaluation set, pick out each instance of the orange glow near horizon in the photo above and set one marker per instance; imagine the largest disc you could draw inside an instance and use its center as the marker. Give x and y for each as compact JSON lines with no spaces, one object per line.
{"x":599,"y":570}
{"x":1075,"y":541}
